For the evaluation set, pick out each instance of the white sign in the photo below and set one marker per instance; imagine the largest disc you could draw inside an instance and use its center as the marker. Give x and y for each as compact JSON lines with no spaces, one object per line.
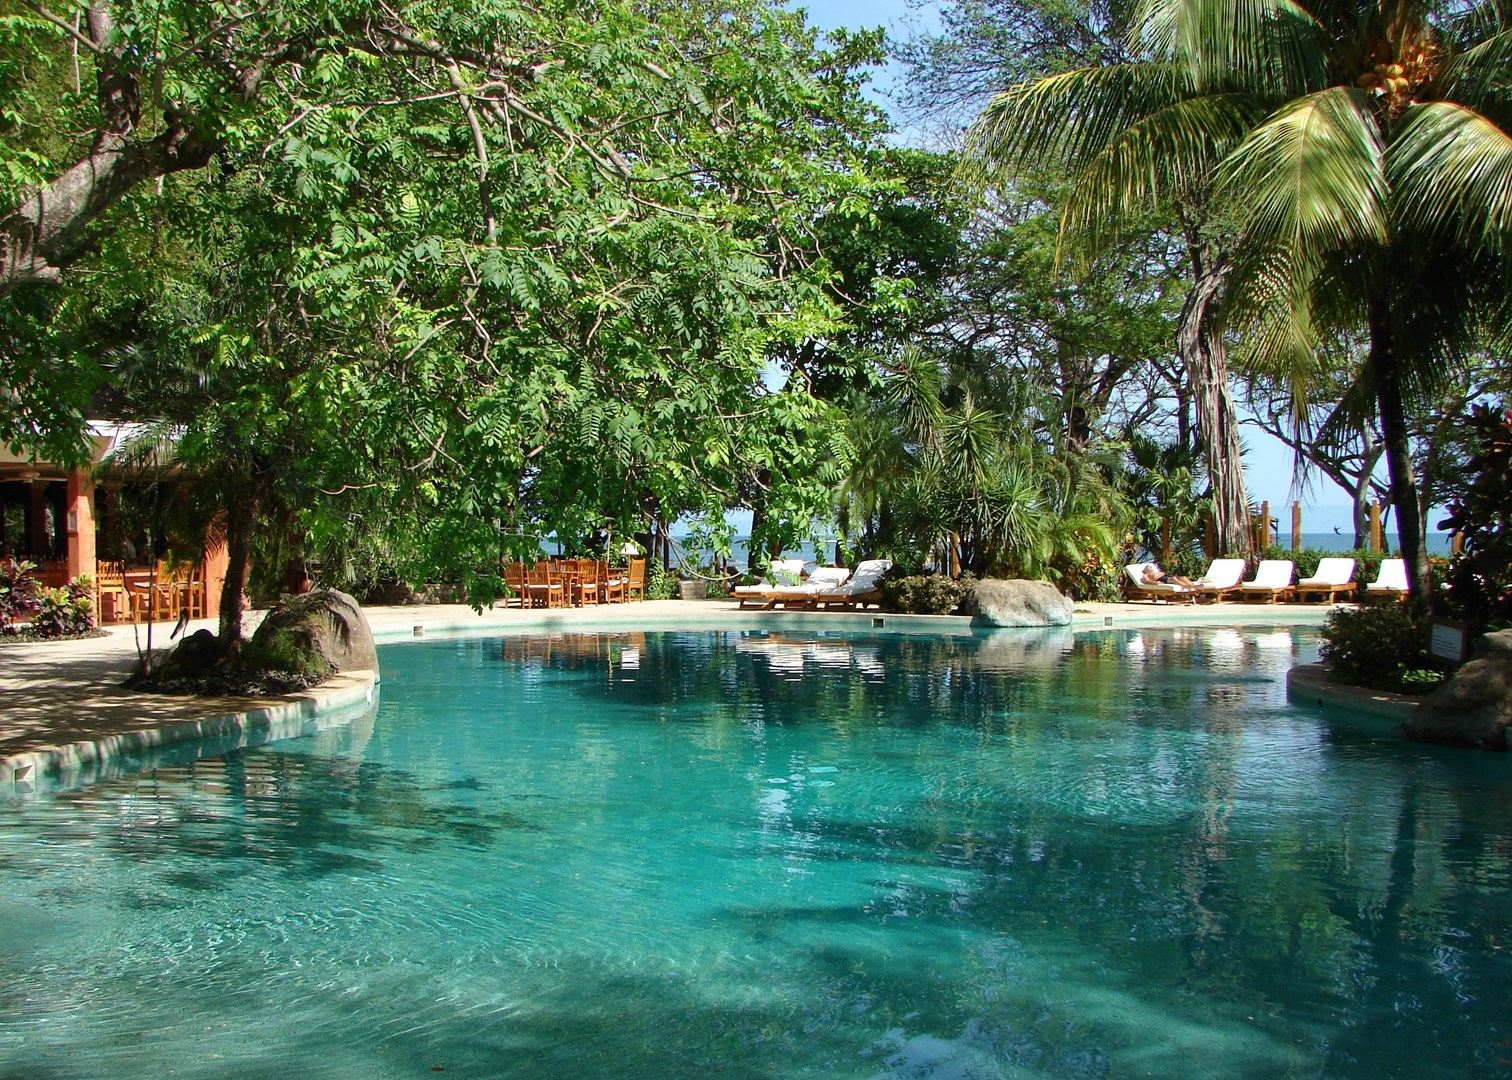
{"x":1449,"y":640}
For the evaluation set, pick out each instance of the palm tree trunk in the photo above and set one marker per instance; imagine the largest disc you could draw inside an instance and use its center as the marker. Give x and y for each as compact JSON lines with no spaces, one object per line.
{"x":1386,"y":373}
{"x":1205,"y":357}
{"x":241,"y":514}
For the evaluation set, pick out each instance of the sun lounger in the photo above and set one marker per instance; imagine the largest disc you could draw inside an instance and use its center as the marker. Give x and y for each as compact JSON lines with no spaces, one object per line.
{"x":782,"y":572}
{"x":824,"y":579}
{"x":1271,"y":582}
{"x":1155,"y":591}
{"x":1391,"y":581}
{"x":1335,"y":578}
{"x":1221,"y":580}
{"x":860,"y":590}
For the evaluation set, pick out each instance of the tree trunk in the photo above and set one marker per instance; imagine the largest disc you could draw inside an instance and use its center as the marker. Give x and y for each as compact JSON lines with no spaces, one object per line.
{"x":241,"y":516}
{"x":46,"y":230}
{"x":1386,"y":374}
{"x":1206,"y":360}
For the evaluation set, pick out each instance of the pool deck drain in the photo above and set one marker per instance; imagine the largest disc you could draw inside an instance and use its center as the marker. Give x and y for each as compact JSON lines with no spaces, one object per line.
{"x":63,"y":711}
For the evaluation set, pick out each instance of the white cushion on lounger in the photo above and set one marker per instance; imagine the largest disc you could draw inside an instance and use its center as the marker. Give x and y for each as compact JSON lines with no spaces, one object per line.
{"x":1392,"y":578}
{"x":1222,"y":574}
{"x":1270,"y":576}
{"x":1330,"y":572}
{"x":865,"y":581}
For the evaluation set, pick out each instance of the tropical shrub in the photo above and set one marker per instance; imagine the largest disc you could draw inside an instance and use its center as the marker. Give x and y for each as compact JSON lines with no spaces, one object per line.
{"x":65,"y":612}
{"x":18,"y":594}
{"x":661,"y":583}
{"x":924,"y":594}
{"x":1382,"y":647}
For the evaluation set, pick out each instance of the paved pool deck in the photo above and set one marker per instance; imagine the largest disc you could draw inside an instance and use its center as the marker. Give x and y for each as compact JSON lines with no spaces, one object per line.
{"x":63,"y":710}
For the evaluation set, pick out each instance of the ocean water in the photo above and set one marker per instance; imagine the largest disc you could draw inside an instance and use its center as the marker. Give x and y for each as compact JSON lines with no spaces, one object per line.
{"x":758,"y":854}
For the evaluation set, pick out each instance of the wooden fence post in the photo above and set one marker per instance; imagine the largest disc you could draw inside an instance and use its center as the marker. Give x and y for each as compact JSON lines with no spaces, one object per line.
{"x":1375,"y":526}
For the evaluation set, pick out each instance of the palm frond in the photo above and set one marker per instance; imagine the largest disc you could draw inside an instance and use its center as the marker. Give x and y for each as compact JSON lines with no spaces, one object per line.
{"x":1272,"y":47}
{"x":1451,"y":169}
{"x":1068,"y":118}
{"x":1169,"y":152}
{"x":1478,"y":76}
{"x":1312,"y":177}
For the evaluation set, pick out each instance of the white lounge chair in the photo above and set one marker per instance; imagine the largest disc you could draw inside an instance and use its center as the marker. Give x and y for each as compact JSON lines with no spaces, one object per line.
{"x":782,"y":572}
{"x":824,"y":579}
{"x":1154,"y":590}
{"x":1272,"y":580}
{"x":1221,"y":580}
{"x":1391,"y":581}
{"x":1335,"y":577}
{"x":860,"y":590}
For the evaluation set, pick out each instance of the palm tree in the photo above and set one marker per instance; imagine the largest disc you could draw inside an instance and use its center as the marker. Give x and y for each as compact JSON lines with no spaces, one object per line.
{"x":1357,"y":154}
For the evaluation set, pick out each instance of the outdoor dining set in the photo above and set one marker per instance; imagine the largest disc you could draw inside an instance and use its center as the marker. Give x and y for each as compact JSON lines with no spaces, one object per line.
{"x":148,"y":593}
{"x":559,"y":583}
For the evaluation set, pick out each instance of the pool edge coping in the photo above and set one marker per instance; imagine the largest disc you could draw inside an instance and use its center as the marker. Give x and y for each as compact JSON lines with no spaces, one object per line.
{"x":1310,"y":683}
{"x":342,"y":691}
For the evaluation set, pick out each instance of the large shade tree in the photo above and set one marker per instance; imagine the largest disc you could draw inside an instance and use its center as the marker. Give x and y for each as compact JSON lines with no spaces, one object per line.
{"x":1362,"y":153}
{"x":457,"y":276}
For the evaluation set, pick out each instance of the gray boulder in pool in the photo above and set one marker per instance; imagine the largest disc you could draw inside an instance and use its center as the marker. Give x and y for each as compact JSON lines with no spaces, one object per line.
{"x":1474,"y":708}
{"x":326,"y":623}
{"x":1017,"y":602}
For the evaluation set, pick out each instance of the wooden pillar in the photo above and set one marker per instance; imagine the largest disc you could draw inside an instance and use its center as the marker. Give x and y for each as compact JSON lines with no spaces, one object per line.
{"x":1165,"y":543}
{"x":80,"y":525}
{"x":954,"y":542}
{"x":1296,"y":526}
{"x":1456,"y":543}
{"x":1375,"y":526}
{"x":1265,"y":533}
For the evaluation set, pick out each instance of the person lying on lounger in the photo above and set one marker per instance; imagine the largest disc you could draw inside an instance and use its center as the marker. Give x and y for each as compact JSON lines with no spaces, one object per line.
{"x":1154,"y":575}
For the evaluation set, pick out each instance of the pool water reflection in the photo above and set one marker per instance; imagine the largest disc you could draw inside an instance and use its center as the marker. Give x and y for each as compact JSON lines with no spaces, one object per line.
{"x":741,"y":854}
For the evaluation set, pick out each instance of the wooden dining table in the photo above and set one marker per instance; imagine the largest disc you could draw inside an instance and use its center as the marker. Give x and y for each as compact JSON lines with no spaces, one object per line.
{"x":158,"y":595}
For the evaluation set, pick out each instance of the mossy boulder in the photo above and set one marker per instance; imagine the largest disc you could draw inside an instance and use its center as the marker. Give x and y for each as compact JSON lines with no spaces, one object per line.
{"x":313,"y":636}
{"x":1017,"y":602}
{"x":1474,"y":708}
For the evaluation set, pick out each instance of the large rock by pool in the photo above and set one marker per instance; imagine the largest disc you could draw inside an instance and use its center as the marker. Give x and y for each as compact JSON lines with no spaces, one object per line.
{"x":1017,"y":602}
{"x":326,"y":625}
{"x":1474,"y":708}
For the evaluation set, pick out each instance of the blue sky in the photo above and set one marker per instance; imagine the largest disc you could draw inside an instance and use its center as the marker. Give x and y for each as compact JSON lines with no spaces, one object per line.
{"x":1268,"y":463}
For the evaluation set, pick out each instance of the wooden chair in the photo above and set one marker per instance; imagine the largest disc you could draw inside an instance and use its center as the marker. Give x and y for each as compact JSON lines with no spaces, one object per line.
{"x":544,"y":587}
{"x":614,"y":582}
{"x":586,"y":583}
{"x":194,"y":591}
{"x":635,"y":580}
{"x":516,"y":580}
{"x":110,"y":584}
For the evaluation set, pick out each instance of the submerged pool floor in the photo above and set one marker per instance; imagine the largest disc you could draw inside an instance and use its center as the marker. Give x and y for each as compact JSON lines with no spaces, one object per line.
{"x":745,"y":854}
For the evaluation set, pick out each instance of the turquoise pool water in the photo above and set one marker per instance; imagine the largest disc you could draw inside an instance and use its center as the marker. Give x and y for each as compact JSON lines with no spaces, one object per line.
{"x":716,"y":854}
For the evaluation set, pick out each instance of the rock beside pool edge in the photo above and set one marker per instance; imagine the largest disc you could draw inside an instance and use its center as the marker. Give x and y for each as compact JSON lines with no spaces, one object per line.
{"x":1474,"y":708}
{"x":1017,"y":602}
{"x":328,"y":623}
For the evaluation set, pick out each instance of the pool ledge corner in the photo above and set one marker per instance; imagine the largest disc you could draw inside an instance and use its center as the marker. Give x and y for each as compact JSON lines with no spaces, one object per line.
{"x":1309,"y":683}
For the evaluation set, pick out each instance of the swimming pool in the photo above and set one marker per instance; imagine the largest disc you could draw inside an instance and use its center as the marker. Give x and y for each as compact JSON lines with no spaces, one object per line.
{"x":745,"y":854}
